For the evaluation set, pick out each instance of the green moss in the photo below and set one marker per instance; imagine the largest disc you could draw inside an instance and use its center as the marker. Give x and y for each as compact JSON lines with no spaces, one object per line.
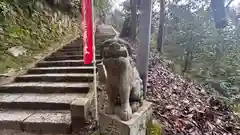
{"x":154,"y":128}
{"x":236,"y":108}
{"x":96,"y":133}
{"x":33,"y":28}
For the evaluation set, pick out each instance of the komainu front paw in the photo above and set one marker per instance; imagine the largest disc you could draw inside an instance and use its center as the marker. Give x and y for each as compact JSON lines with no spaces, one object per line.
{"x":126,"y":113}
{"x":135,"y":106}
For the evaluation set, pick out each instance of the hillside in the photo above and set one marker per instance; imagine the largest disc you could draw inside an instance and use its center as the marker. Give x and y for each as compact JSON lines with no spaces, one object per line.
{"x":30,"y":28}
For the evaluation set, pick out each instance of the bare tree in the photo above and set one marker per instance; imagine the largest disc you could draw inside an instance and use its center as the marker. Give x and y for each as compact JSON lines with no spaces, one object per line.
{"x":125,"y":32}
{"x":160,"y":37}
{"x":133,"y":19}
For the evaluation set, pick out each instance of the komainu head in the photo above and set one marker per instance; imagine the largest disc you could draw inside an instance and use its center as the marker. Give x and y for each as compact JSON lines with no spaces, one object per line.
{"x":115,"y":50}
{"x":115,"y":45}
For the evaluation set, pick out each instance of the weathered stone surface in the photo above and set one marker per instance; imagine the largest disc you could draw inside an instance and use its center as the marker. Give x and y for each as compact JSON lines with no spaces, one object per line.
{"x":33,"y":98}
{"x":79,"y":111}
{"x":67,"y":57}
{"x":79,"y":107}
{"x":37,"y":104}
{"x":65,"y":98}
{"x":55,"y":101}
{"x":7,"y":97}
{"x":110,"y":41}
{"x":48,"y":121}
{"x":45,"y":87}
{"x":62,"y":63}
{"x":123,"y":83}
{"x":66,"y":77}
{"x":74,"y":50}
{"x":10,"y":119}
{"x":112,"y":124}
{"x":104,"y":31}
{"x":76,"y":47}
{"x":68,"y":53}
{"x":45,"y":70}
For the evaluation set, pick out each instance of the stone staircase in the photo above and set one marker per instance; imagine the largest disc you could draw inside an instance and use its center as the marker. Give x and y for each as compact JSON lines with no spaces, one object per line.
{"x":52,"y":97}
{"x":55,"y":95}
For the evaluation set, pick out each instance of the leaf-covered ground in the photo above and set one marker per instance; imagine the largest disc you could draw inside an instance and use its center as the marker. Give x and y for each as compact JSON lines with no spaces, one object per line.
{"x":183,"y":107}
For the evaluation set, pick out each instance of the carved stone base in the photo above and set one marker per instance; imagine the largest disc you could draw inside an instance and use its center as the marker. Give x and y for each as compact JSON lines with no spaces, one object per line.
{"x":113,"y":125}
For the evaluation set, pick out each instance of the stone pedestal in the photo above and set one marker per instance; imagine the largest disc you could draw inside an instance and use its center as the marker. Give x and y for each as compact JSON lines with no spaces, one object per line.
{"x":113,"y":125}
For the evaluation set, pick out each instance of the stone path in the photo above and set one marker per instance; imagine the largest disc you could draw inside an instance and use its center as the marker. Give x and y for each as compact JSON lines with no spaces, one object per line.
{"x":54,"y":96}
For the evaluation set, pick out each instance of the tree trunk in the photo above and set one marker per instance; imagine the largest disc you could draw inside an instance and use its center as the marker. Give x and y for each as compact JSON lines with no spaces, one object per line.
{"x":219,"y":13}
{"x":188,"y":62}
{"x":134,"y":19}
{"x":125,"y":32}
{"x":160,"y":37}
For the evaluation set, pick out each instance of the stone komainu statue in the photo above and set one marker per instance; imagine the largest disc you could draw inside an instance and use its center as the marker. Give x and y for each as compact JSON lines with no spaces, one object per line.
{"x":106,"y":44}
{"x":122,"y":80}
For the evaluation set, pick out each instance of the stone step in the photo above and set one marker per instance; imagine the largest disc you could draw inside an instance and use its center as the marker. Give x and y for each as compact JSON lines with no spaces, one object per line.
{"x":78,"y":47}
{"x":79,"y":50}
{"x":65,"y":53}
{"x":47,"y":121}
{"x":63,"y":63}
{"x":33,"y":101}
{"x":45,"y":70}
{"x":67,"y":57}
{"x":102,"y":38}
{"x":45,"y":87}
{"x":67,"y":77}
{"x":75,"y":51}
{"x":60,"y":53}
{"x":77,"y":42}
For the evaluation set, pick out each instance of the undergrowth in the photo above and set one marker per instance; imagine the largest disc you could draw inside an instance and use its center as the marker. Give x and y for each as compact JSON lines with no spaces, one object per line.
{"x":30,"y":27}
